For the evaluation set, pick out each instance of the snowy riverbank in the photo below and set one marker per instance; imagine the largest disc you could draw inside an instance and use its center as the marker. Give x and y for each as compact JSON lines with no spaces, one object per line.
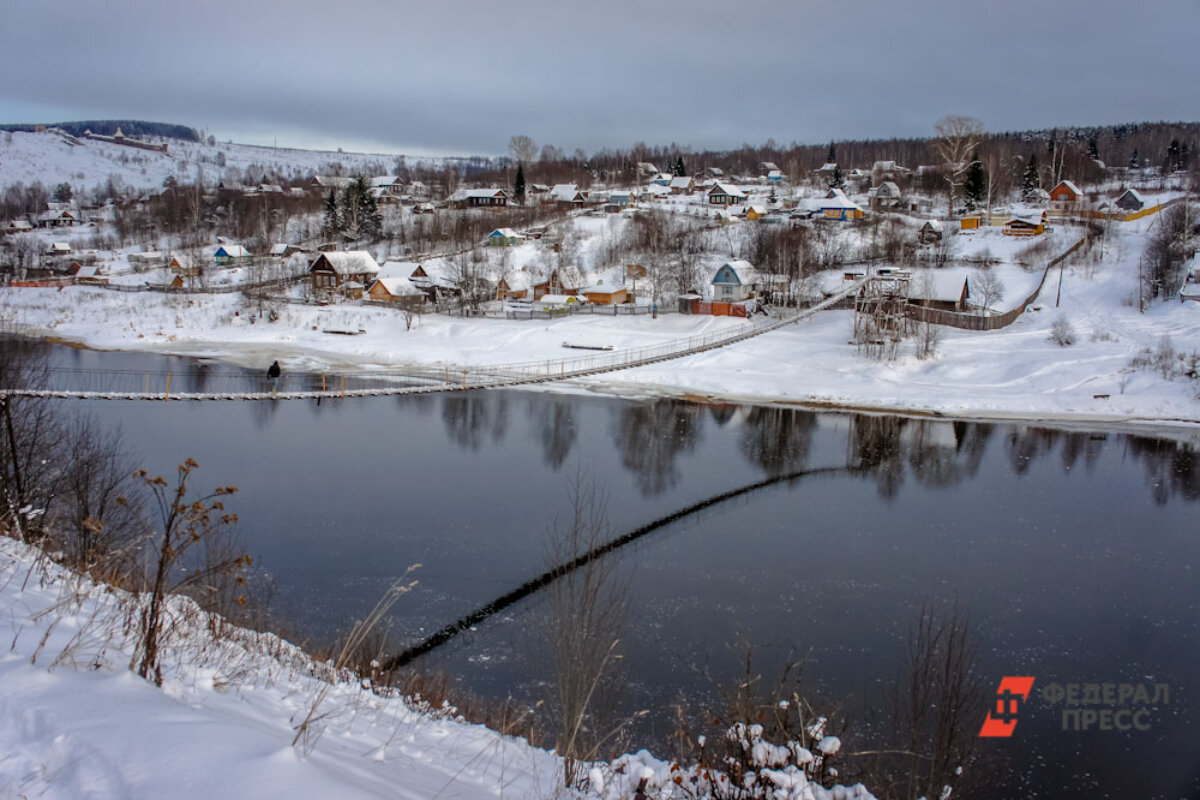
{"x":1017,"y":372}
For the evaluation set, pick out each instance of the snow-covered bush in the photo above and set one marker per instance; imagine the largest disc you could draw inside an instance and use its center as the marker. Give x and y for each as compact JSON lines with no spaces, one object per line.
{"x":1061,"y":332}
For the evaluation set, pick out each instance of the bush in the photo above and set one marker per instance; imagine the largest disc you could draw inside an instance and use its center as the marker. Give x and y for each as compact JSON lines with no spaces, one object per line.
{"x":1061,"y":332}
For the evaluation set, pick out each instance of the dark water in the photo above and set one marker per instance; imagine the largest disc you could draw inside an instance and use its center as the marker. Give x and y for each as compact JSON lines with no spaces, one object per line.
{"x":1075,"y":553}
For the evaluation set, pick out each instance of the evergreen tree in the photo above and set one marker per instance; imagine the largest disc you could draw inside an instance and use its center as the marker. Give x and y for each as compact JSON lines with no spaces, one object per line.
{"x":832,"y":156}
{"x":63,"y":193}
{"x":975,"y":184}
{"x":1093,"y":149}
{"x":519,"y":185}
{"x":372,"y":218}
{"x":1173,"y":161}
{"x":837,"y":181}
{"x":679,"y":170}
{"x":1031,"y":181}
{"x":331,"y":222}
{"x":1134,"y":161}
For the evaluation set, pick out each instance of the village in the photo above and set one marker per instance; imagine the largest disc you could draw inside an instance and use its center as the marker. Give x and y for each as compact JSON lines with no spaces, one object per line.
{"x":940,"y":254}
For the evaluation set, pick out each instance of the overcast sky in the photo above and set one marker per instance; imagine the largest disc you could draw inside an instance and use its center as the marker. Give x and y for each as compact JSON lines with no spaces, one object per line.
{"x":446,"y":77}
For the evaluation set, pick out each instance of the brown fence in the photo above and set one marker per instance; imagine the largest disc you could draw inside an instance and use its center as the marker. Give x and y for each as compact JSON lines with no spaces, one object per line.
{"x":974,"y":322}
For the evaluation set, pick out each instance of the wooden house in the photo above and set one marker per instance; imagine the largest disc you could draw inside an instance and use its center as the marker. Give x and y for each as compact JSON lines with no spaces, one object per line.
{"x":57,"y":218}
{"x":682,"y":184}
{"x":344,"y":272}
{"x":1131,"y":200}
{"x":565,"y":281}
{"x":930,"y":232}
{"x":323,"y":183}
{"x":230,"y":254}
{"x":59,"y":249}
{"x":513,"y":286}
{"x":885,"y":195}
{"x":1066,"y":198}
{"x":940,"y":291}
{"x":755,"y":212}
{"x":183,"y":265}
{"x":17,"y":226}
{"x":397,"y":289}
{"x":504,"y":237}
{"x":1032,"y":225}
{"x":86,"y":274}
{"x":567,"y":195}
{"x":836,"y":205}
{"x":388,"y":188}
{"x":775,"y":176}
{"x":735,"y":281}
{"x":478,"y":198}
{"x":603,"y":295}
{"x":618,"y":200}
{"x":722,"y":194}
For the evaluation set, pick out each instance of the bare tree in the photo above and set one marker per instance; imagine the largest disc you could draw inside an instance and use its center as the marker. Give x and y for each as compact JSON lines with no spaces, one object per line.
{"x":588,"y":607}
{"x":522,"y":149}
{"x":957,"y":138}
{"x":987,"y":288}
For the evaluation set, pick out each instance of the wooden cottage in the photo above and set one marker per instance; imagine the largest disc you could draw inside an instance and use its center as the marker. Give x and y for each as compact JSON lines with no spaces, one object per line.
{"x":940,"y":291}
{"x":567,"y":195}
{"x":1066,"y":198}
{"x":1032,"y":225}
{"x":504,"y":237}
{"x":344,"y":272}
{"x":734,"y":282}
{"x":602,"y":295}
{"x":397,"y":289}
{"x":836,"y":205}
{"x":478,"y":198}
{"x":930,"y":232}
{"x":1131,"y":200}
{"x":722,"y":194}
{"x":565,"y":281}
{"x":682,"y":184}
{"x":230,"y":254}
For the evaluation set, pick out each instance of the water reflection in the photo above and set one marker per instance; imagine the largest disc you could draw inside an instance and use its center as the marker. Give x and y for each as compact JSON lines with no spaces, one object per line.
{"x":470,"y":417}
{"x":650,"y":436}
{"x":553,"y":424}
{"x":778,"y":439}
{"x":1171,"y":467}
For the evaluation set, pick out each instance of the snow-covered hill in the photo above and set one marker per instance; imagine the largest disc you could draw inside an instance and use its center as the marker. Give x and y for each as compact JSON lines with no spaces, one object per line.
{"x":52,"y":158}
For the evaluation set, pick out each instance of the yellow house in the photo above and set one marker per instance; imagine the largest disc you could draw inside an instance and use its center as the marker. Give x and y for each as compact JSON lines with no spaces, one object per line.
{"x":755,"y":212}
{"x":970,"y":223}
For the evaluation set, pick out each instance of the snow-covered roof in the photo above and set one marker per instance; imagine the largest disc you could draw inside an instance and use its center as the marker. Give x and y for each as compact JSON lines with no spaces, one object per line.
{"x":60,"y":247}
{"x":570,"y":278}
{"x":769,"y":166}
{"x":1070,"y":186}
{"x":933,"y":224}
{"x":887,"y":189}
{"x":466,"y":194}
{"x":279,"y":249}
{"x":941,"y":285}
{"x":726,"y":189}
{"x":87,"y":272}
{"x":398,"y":286}
{"x":757,"y":209}
{"x":350,"y":262}
{"x":393,"y":269}
{"x":18,"y":225}
{"x":742,"y":273}
{"x":774,"y":173}
{"x":387,"y":180}
{"x":506,"y":233}
{"x":681,"y":182}
{"x":567,"y":193}
{"x":837,"y":199}
{"x":231,"y":251}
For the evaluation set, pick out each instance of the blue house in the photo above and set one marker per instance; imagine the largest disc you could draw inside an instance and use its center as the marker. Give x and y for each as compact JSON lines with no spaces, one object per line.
{"x":230,"y":254}
{"x":735,"y":281}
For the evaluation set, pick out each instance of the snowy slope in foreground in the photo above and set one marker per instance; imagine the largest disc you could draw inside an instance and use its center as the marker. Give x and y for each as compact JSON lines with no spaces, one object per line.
{"x":77,"y":723}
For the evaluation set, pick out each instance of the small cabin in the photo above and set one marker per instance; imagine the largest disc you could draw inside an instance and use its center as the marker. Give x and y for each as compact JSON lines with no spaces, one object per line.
{"x":1066,"y":198}
{"x":836,"y":205}
{"x":345,"y":271}
{"x":735,"y":281}
{"x":722,"y":194}
{"x":602,"y":295}
{"x":397,"y":289}
{"x":230,"y":254}
{"x":1033,"y":225}
{"x":504,"y":237}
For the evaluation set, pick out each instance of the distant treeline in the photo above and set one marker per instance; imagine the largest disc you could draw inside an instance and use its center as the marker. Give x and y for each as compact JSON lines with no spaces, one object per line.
{"x":135,"y":128}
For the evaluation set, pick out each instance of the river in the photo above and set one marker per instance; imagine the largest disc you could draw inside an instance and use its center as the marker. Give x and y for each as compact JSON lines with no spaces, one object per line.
{"x":1074,"y":552}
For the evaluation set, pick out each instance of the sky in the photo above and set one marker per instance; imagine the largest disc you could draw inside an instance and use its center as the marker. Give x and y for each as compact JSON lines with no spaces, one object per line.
{"x":461,"y":77}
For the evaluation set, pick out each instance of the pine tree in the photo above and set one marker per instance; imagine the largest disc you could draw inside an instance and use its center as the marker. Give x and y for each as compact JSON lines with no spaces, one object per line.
{"x":1173,"y":156}
{"x":679,"y":170}
{"x":331,"y":223}
{"x":837,"y":181}
{"x":372,"y":218}
{"x":1031,"y":181}
{"x":975,"y":184}
{"x":1093,"y":149}
{"x":519,"y":185}
{"x":1134,"y":161}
